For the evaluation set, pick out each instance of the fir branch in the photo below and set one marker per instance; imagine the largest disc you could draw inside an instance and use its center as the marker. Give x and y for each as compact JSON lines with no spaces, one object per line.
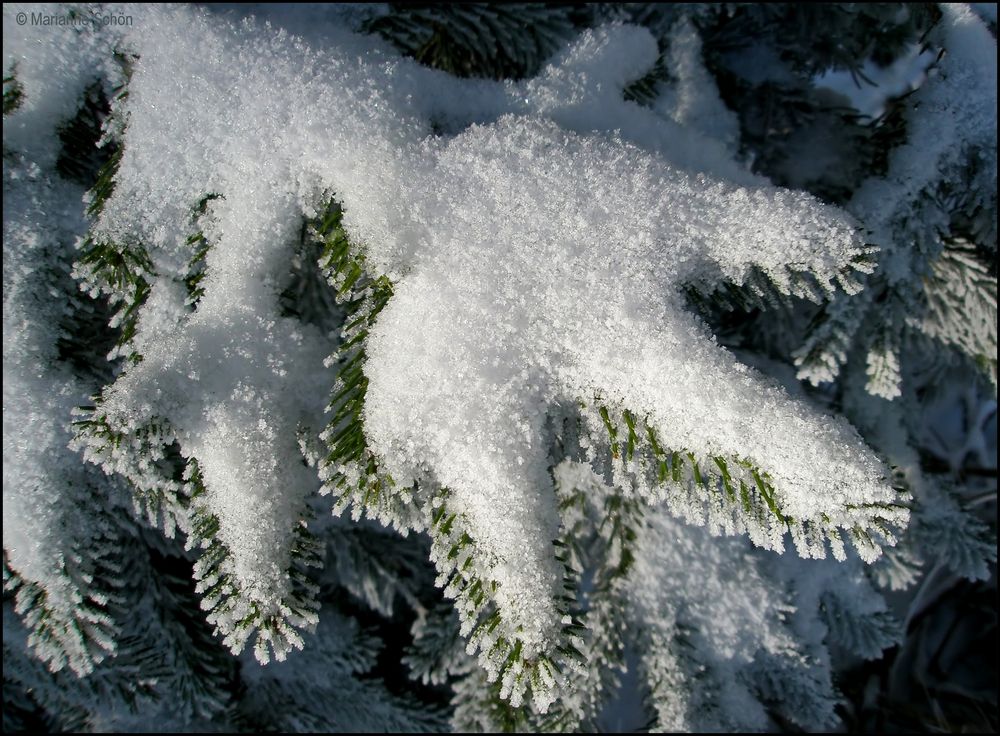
{"x":81,"y":157}
{"x":233,"y":608}
{"x":866,"y":635}
{"x":479,"y":707}
{"x":884,"y":378}
{"x":947,"y":531}
{"x":438,"y":650}
{"x":644,"y":90}
{"x":502,"y":652}
{"x":379,"y":567}
{"x":829,"y":338}
{"x":603,"y":538}
{"x":479,"y":39}
{"x":732,"y":494}
{"x":121,"y":271}
{"x":104,"y":187}
{"x":145,"y":456}
{"x":198,"y":669}
{"x":760,"y":289}
{"x":72,"y":624}
{"x":350,"y":471}
{"x":961,"y":305}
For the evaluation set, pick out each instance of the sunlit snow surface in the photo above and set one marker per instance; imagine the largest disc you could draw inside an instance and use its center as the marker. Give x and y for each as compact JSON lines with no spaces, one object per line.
{"x":538,"y":255}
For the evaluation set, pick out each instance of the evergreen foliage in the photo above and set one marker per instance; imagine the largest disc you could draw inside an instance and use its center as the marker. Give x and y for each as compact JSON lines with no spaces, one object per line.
{"x":209,"y":526}
{"x":500,"y":41}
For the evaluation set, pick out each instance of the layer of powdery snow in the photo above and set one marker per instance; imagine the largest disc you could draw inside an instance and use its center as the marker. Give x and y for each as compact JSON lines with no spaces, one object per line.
{"x":518,"y":300}
{"x":235,"y":380}
{"x":41,"y":478}
{"x":531,"y":263}
{"x":53,"y":521}
{"x":50,"y":519}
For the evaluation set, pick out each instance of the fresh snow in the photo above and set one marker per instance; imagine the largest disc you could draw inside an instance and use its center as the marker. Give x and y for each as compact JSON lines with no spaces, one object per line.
{"x":538,"y":255}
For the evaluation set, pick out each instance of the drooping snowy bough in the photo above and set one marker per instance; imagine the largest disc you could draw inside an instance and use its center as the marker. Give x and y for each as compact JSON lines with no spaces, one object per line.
{"x":514,"y":261}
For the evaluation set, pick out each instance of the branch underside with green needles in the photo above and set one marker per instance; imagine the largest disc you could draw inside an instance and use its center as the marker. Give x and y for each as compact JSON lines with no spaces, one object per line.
{"x":169,"y":491}
{"x":350,"y":470}
{"x":200,"y":245}
{"x":233,"y":611}
{"x":122,"y":271}
{"x":352,"y":473}
{"x":760,"y":289}
{"x":501,"y":650}
{"x":125,"y":272}
{"x":733,"y":494}
{"x":140,"y":456}
{"x":171,"y":494}
{"x":146,"y":456}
